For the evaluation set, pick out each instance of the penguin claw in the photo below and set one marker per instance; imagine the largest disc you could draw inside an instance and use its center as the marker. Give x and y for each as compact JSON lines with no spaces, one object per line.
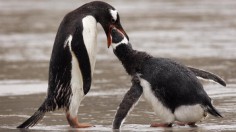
{"x":161,"y":125}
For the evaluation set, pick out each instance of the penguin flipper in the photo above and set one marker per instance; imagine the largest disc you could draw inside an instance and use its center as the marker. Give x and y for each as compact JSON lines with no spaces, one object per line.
{"x":79,"y":49}
{"x":37,"y":116}
{"x":207,"y":75}
{"x":128,"y":102}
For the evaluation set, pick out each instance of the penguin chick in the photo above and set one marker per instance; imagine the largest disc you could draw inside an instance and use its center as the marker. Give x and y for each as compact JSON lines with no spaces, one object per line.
{"x":171,"y":88}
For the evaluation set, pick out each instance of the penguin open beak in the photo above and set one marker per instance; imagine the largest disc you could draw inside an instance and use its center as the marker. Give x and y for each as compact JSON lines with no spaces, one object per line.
{"x":118,"y":27}
{"x":109,"y":38}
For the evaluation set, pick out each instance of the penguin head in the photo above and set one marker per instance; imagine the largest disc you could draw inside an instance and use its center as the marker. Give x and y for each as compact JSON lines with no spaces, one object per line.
{"x":108,"y":17}
{"x":118,"y":38}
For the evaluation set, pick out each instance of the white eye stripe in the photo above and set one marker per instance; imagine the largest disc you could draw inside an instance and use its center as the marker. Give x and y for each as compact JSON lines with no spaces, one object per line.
{"x":114,"y":14}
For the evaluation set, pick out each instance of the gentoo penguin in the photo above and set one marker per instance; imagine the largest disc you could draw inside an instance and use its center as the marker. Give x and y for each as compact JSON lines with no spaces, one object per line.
{"x":171,"y":88}
{"x":73,"y":60}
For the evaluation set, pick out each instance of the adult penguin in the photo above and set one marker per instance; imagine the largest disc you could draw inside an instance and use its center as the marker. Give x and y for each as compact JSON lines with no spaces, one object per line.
{"x":73,"y":60}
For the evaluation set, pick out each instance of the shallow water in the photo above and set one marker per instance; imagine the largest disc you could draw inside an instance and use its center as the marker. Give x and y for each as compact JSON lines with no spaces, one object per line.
{"x":196,"y":33}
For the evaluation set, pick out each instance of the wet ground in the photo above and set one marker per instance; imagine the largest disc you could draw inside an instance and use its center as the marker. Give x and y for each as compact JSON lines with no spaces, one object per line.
{"x":197,"y":33}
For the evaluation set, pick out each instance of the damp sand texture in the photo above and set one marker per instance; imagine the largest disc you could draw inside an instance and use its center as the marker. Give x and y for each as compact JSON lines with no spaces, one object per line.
{"x":196,"y":33}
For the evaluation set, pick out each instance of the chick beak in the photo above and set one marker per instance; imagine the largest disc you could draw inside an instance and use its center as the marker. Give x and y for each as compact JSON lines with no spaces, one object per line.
{"x":109,"y":37}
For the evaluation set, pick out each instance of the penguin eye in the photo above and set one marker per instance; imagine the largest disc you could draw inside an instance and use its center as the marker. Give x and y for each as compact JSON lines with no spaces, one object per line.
{"x":113,"y":20}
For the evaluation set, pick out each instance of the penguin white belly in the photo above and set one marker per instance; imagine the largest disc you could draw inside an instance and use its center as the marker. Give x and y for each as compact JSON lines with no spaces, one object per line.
{"x":76,"y":87}
{"x":161,"y":111}
{"x":190,"y":113}
{"x":185,"y":113}
{"x":90,"y":39}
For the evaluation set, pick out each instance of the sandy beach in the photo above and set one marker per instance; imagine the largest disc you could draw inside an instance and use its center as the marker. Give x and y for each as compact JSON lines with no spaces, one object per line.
{"x":199,"y":33}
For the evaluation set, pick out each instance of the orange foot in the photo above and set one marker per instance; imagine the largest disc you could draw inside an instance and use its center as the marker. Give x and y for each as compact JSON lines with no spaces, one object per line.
{"x":161,"y":125}
{"x":74,"y":122}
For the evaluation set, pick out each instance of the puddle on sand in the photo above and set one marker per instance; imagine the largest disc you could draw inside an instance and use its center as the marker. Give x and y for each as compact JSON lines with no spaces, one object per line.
{"x":188,"y":31}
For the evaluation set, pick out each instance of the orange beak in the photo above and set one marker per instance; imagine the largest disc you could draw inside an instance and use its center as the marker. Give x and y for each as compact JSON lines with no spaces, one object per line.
{"x":109,"y":38}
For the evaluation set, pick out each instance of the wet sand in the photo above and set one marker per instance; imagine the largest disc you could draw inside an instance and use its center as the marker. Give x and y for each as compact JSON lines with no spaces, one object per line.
{"x":197,"y":33}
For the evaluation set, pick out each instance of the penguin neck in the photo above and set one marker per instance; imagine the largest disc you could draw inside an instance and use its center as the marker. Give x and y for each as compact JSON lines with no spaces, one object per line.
{"x":132,"y":60}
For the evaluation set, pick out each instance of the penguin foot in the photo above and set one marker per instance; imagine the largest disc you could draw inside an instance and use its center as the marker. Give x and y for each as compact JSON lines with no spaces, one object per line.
{"x":161,"y":125}
{"x":74,"y":123}
{"x":192,"y":124}
{"x":180,"y":123}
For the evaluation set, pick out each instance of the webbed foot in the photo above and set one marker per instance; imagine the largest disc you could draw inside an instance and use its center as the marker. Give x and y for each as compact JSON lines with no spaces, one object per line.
{"x":73,"y":122}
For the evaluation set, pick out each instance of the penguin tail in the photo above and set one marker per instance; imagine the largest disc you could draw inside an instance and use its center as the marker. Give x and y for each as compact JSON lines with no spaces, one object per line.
{"x":213,"y":111}
{"x":37,"y":116}
{"x":34,"y":119}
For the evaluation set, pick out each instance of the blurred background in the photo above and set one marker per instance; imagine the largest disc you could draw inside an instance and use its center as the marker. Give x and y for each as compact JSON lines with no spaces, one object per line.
{"x":198,"y":33}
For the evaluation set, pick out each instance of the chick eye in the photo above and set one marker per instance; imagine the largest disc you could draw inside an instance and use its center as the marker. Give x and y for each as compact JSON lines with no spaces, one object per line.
{"x":113,"y":20}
